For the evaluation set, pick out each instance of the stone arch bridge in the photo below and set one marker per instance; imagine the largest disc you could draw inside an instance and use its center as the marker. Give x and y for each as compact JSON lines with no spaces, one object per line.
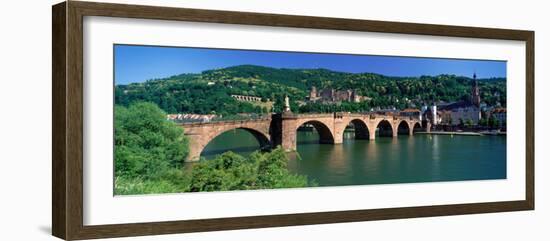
{"x":281,"y":129}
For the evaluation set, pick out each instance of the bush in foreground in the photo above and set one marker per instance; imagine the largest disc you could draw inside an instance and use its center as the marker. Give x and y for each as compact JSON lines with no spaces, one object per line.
{"x":231,"y":171}
{"x":146,"y":144}
{"x":227,"y":172}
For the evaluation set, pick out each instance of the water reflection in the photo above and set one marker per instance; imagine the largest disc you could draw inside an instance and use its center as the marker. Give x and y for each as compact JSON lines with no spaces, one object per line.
{"x":335,"y":162}
{"x":417,"y":158}
{"x":435,"y":155}
{"x":402,"y":159}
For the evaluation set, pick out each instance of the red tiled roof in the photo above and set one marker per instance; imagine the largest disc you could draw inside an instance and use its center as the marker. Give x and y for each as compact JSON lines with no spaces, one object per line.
{"x":410,"y":110}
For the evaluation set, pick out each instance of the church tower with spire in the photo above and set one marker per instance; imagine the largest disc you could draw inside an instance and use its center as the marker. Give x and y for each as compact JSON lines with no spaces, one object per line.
{"x":476,"y":98}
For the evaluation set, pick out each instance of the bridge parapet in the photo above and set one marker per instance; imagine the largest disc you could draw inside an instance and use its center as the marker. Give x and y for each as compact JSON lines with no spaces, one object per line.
{"x":222,"y":122}
{"x":307,"y":116}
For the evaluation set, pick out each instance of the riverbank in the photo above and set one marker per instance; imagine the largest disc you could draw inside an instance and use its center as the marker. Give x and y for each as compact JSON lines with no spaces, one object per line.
{"x":463,"y":133}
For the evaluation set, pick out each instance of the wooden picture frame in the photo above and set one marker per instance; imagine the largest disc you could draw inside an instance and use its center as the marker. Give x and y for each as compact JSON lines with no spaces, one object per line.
{"x":67,"y":124}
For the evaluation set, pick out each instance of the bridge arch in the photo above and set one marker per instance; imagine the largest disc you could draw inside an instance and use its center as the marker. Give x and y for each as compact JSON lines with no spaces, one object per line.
{"x":201,"y":134}
{"x":385,"y":128}
{"x":417,"y":126}
{"x":324,"y":131}
{"x":262,"y":138}
{"x":361,"y":128}
{"x":404,"y":128}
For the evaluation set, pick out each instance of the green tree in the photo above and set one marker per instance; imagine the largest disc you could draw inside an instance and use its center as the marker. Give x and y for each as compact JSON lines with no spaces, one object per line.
{"x":469,"y":122}
{"x":279,"y":103}
{"x":483,"y":122}
{"x":273,"y":172}
{"x":492,"y":122}
{"x":146,"y":144}
{"x":230,"y":171}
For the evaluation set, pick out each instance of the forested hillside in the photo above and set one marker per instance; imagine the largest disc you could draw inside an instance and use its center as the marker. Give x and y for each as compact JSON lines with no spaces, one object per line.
{"x":210,"y":91}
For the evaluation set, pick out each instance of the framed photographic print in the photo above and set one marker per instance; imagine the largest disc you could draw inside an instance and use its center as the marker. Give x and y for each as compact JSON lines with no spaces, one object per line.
{"x":171,"y":120}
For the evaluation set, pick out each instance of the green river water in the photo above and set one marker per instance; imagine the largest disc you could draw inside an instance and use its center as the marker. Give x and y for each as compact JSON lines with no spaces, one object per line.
{"x":405,"y":159}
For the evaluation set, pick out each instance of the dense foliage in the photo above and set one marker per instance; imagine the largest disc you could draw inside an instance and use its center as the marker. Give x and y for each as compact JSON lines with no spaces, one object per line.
{"x":146,"y":144}
{"x":231,"y":171}
{"x":150,"y":152}
{"x":227,"y":172}
{"x":210,"y":91}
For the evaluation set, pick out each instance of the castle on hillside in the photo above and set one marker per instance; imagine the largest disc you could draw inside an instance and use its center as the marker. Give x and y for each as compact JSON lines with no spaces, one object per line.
{"x":332,"y":95}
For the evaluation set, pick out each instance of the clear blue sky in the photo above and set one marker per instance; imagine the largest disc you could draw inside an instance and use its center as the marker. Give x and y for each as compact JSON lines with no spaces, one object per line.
{"x":140,"y":63}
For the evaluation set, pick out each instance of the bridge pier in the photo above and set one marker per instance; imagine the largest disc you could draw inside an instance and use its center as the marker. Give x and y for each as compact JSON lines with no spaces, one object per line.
{"x":339,"y":139}
{"x":338,"y":130}
{"x":372,"y":135}
{"x":195,"y":148}
{"x":395,"y":128}
{"x":288,"y":132}
{"x":289,"y":142}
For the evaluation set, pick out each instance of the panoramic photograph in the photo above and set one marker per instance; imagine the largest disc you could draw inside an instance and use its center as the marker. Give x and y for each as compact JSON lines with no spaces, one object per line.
{"x":190,"y":119}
